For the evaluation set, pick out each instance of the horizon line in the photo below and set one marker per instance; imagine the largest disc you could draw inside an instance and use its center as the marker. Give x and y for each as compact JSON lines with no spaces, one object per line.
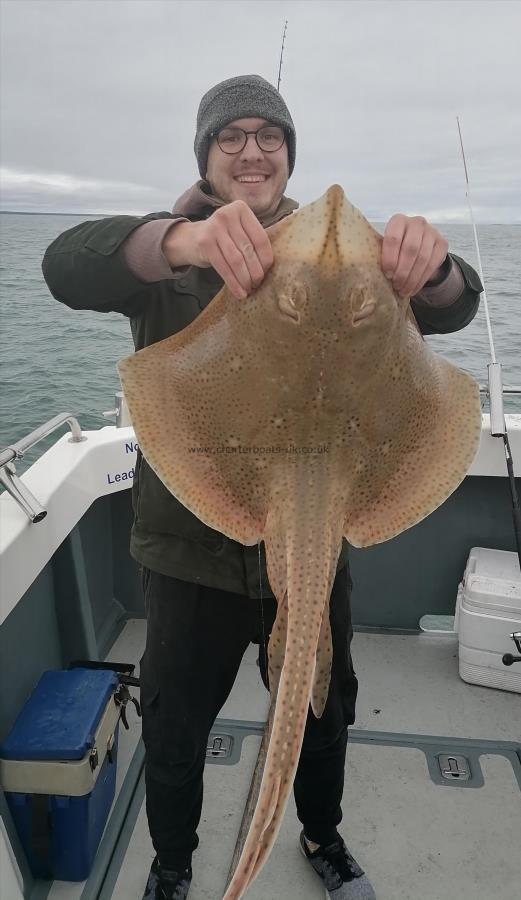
{"x":30,"y":212}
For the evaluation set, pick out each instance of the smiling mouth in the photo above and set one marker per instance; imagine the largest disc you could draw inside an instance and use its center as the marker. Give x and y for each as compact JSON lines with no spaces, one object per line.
{"x":251,"y":179}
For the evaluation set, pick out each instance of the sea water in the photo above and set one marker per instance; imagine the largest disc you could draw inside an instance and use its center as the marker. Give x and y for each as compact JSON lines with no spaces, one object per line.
{"x":55,"y":359}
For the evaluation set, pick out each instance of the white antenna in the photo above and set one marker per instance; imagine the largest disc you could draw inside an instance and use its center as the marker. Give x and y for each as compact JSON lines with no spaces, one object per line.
{"x":495,"y":380}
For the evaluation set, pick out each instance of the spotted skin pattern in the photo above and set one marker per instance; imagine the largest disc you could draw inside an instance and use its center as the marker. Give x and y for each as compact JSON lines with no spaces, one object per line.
{"x":317,"y":412}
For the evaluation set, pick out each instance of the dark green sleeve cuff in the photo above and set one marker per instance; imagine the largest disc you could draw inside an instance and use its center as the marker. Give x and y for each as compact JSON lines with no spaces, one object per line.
{"x":446,"y":319}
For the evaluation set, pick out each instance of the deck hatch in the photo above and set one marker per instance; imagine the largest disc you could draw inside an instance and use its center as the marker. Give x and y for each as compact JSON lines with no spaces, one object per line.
{"x":219,"y":745}
{"x":451,"y":762}
{"x":454,"y":767}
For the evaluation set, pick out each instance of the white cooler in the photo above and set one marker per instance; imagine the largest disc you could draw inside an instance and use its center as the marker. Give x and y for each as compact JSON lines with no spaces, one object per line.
{"x":488,"y":611}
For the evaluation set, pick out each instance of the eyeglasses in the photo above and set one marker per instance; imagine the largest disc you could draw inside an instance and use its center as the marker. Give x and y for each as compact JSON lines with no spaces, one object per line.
{"x":232,"y":140}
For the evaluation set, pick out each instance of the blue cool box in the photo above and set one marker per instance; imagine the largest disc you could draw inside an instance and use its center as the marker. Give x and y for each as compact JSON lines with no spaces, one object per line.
{"x":58,"y":770}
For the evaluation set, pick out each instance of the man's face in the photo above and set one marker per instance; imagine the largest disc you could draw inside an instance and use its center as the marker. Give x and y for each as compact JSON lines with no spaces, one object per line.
{"x":224,"y":170}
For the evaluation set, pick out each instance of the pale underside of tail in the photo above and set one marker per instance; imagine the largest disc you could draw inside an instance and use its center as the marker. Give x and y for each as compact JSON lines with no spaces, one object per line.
{"x":293,"y":662}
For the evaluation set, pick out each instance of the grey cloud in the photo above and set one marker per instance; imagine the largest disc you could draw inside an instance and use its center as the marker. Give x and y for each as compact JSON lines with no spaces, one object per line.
{"x":107,"y":92}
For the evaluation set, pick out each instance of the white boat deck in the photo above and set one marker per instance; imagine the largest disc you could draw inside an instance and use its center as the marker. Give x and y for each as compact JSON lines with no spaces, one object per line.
{"x":416,"y":840}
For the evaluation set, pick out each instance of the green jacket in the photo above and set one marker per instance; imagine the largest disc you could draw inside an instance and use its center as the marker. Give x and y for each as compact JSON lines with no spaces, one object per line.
{"x":85,"y":268}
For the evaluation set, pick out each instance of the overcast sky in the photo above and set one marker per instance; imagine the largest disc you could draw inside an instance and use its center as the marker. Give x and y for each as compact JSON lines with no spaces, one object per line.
{"x":99,"y":99}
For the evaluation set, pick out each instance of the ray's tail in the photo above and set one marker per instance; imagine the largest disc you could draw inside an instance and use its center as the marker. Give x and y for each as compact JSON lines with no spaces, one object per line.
{"x":311,"y":561}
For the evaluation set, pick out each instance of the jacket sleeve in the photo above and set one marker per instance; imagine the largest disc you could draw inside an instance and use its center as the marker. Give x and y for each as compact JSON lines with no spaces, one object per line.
{"x":446,"y":319}
{"x":85,"y":267}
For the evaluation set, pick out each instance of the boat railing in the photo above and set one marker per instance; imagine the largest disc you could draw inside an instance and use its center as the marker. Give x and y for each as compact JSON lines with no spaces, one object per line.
{"x":8,"y":477}
{"x":483,"y":389}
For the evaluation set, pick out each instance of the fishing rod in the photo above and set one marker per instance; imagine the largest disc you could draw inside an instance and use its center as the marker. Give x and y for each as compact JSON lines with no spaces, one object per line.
{"x":258,"y":545}
{"x":282,"y":51}
{"x":498,"y":426}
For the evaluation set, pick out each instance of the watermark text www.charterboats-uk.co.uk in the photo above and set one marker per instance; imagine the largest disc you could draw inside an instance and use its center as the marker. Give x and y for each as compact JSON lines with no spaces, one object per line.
{"x":256,"y":450}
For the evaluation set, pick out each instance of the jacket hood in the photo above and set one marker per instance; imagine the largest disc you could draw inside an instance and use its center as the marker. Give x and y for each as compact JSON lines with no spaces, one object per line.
{"x":198,"y":200}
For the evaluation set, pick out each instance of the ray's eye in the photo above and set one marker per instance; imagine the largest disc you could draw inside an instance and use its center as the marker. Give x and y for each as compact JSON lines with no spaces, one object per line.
{"x":292,"y":301}
{"x":363,"y":304}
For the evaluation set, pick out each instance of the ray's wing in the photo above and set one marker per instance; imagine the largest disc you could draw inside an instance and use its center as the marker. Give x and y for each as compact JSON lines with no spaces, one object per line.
{"x":416,"y":449}
{"x":197,"y":419}
{"x":205,"y":403}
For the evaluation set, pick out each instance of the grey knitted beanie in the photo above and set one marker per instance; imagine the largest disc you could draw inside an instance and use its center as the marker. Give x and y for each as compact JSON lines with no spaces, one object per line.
{"x":237,"y":98}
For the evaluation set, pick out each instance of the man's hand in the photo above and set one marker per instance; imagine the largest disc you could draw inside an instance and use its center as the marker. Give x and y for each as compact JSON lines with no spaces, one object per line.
{"x":232,"y":240}
{"x":412,"y":252}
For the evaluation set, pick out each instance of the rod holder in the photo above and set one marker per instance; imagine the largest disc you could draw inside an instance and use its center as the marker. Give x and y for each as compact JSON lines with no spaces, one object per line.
{"x":495,"y":392}
{"x":120,"y":412}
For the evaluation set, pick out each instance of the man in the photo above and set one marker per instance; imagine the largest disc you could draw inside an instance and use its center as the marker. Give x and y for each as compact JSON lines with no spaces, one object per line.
{"x":201,"y":589}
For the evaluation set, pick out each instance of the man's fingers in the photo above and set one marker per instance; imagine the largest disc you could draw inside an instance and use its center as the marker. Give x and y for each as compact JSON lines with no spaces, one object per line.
{"x":412,"y":250}
{"x":237,"y":246}
{"x":429,"y":258}
{"x":243,"y":261}
{"x":258,"y":238}
{"x":244,"y":243}
{"x":393,"y":236}
{"x":413,"y":282}
{"x":217,"y":260}
{"x":420,"y":274}
{"x":406,"y":261}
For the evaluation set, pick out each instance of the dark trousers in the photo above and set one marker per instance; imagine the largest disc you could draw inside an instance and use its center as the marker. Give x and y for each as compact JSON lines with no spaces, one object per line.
{"x":196,"y":638}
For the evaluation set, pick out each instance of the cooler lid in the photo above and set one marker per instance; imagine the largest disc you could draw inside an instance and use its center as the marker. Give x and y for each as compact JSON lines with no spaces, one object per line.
{"x":492,"y":563}
{"x":492,"y":595}
{"x":60,"y":718}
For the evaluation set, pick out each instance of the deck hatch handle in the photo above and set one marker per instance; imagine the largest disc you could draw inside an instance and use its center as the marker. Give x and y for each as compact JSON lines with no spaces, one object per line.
{"x":219,"y":745}
{"x":454,"y":767}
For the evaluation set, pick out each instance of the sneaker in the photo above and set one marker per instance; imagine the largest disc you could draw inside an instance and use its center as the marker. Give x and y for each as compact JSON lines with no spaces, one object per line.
{"x":167,"y":884}
{"x":342,"y":876}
